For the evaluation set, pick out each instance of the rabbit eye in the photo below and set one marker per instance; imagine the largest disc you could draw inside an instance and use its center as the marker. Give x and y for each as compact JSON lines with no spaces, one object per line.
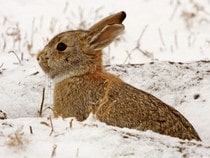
{"x":61,"y":46}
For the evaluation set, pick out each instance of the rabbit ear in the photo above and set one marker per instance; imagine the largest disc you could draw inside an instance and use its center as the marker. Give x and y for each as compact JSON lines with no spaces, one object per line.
{"x":103,"y":38}
{"x":110,"y":20}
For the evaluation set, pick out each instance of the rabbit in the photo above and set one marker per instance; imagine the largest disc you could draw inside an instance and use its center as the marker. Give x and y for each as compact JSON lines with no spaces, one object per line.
{"x":73,"y":60}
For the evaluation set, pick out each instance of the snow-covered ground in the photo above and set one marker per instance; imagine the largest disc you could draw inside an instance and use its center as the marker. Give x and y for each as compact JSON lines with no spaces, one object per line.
{"x":156,"y":32}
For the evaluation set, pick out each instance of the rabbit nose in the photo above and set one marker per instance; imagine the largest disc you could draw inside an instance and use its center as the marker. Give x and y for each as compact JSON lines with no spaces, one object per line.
{"x":41,"y":57}
{"x":38,"y":58}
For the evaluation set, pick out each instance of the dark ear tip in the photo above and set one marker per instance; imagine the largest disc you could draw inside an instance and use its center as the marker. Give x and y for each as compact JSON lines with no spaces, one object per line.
{"x":123,"y":15}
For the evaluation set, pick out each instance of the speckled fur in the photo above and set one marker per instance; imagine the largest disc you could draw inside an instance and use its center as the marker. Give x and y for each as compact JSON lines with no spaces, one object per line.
{"x":82,"y":86}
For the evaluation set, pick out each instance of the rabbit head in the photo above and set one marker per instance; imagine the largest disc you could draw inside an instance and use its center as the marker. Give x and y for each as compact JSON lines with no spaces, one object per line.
{"x":74,"y":53}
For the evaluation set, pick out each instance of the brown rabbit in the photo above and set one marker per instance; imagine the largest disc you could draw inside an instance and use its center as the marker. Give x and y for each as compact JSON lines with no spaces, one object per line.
{"x":73,"y":59}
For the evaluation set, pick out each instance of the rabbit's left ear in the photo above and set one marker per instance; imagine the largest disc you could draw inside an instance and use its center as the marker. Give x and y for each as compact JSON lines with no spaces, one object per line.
{"x":106,"y":30}
{"x":116,"y":18}
{"x":103,"y":38}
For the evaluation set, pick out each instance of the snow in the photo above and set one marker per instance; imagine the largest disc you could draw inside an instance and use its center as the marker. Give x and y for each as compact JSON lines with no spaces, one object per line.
{"x":166,"y":33}
{"x":92,"y":139}
{"x":117,"y":143}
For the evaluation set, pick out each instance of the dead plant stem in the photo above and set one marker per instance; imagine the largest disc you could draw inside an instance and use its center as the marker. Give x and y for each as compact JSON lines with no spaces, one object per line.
{"x":42,"y":103}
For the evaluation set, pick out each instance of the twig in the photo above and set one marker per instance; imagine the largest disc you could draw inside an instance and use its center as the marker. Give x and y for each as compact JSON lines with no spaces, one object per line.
{"x":128,"y":56}
{"x":66,"y":7}
{"x":32,"y":30}
{"x":53,"y":154}
{"x":175,"y":10}
{"x":96,"y":13}
{"x":5,"y":20}
{"x":42,"y":103}
{"x":176,"y":40}
{"x":142,"y":33}
{"x":45,"y":109}
{"x":71,"y":123}
{"x":172,"y":49}
{"x":35,"y":73}
{"x":45,"y":123}
{"x":1,"y":65}
{"x":53,"y":24}
{"x":22,"y":56}
{"x":41,"y":21}
{"x":13,"y":52}
{"x":5,"y":43}
{"x":137,"y":47}
{"x":31,"y":130}
{"x":77,"y":153}
{"x":191,"y":40}
{"x":82,"y":23}
{"x":161,"y":37}
{"x":51,"y":125}
{"x":146,"y":53}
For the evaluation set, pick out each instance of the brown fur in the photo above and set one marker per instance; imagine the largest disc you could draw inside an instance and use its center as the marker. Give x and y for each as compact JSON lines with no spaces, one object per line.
{"x":82,"y":86}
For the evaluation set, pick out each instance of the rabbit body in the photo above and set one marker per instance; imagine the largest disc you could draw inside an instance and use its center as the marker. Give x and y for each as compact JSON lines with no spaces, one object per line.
{"x":73,"y":60}
{"x":119,"y":104}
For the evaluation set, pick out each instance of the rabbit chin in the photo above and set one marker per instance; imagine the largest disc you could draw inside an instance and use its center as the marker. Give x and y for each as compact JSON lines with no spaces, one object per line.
{"x":62,"y":76}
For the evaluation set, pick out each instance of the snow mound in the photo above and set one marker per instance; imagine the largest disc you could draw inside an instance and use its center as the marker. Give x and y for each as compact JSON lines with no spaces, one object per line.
{"x":38,"y":137}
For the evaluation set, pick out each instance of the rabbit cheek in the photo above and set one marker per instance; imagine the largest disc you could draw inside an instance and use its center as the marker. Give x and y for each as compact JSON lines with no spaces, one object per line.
{"x":75,"y":62}
{"x":67,"y":59}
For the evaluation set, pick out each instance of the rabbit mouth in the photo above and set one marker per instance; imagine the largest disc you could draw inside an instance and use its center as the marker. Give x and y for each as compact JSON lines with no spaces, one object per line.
{"x":45,"y":68}
{"x":50,"y":72}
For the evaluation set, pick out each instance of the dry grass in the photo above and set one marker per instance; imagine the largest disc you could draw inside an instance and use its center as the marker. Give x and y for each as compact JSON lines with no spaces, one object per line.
{"x":42,"y":103}
{"x":197,"y":14}
{"x":1,"y":68}
{"x":31,"y":130}
{"x":13,"y":52}
{"x":175,"y":9}
{"x":71,"y":123}
{"x":77,"y":153}
{"x":139,"y":48}
{"x":53,"y":154}
{"x":17,"y":139}
{"x":50,"y":124}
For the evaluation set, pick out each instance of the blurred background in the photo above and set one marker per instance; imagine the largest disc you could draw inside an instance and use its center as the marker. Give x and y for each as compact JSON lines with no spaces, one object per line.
{"x":175,"y":30}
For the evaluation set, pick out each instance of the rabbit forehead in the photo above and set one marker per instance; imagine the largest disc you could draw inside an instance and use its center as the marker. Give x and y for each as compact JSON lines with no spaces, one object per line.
{"x":69,"y":37}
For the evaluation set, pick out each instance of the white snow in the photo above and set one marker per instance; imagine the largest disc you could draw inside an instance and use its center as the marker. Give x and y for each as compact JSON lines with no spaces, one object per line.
{"x":167,"y":30}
